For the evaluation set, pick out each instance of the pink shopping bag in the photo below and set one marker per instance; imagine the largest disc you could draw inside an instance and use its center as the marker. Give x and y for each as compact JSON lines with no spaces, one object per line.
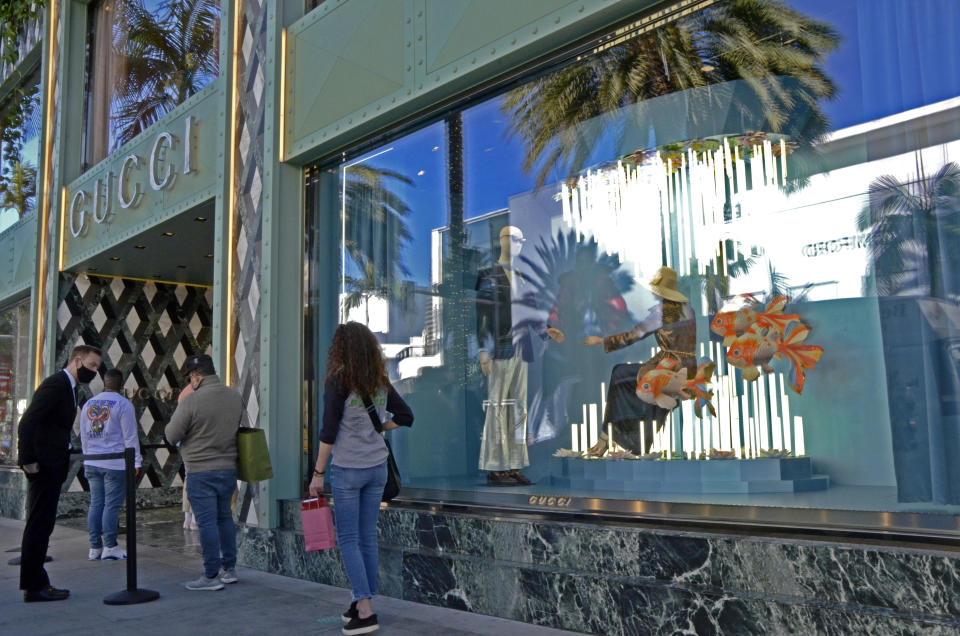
{"x":318,"y":532}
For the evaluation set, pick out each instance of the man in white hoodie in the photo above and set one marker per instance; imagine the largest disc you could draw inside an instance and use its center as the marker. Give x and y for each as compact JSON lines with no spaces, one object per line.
{"x":108,"y":424}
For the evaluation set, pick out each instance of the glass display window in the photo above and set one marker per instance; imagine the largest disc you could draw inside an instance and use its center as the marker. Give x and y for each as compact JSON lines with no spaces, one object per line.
{"x":144,"y":58}
{"x":20,"y":119}
{"x":14,"y":362}
{"x":706,"y":262}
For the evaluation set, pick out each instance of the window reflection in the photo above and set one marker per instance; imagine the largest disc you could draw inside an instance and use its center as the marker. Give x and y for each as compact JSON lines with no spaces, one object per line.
{"x":144,"y":58}
{"x":659,"y":272}
{"x":19,"y":151}
{"x":14,"y":358}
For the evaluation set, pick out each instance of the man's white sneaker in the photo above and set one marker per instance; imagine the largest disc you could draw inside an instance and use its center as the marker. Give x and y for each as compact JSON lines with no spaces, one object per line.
{"x":94,"y":554}
{"x":228,"y":575}
{"x":114,"y":553}
{"x":204,"y":584}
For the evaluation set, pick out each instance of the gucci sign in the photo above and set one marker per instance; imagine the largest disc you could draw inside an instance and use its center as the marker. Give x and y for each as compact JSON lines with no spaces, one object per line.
{"x":550,"y":501}
{"x":125,"y":189}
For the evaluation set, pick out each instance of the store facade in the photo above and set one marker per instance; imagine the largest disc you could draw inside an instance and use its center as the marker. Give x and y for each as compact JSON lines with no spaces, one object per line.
{"x":684,"y":266}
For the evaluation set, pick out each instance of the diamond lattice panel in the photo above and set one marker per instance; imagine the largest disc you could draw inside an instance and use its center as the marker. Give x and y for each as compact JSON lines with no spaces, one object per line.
{"x":146,"y":330}
{"x":249,"y":221}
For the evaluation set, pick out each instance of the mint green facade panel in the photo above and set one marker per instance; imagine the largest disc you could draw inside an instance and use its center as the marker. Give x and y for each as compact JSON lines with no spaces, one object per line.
{"x":459,"y":28}
{"x":351,"y":58}
{"x":17,"y":257}
{"x":184,"y":151}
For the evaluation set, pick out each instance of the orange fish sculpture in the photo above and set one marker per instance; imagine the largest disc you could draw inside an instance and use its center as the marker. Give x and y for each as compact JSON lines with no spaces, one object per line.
{"x":733,"y":324}
{"x":757,"y":348}
{"x":665,"y":387}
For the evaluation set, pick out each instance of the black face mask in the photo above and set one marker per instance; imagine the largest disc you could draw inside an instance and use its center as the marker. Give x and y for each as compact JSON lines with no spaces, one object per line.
{"x":84,"y":374}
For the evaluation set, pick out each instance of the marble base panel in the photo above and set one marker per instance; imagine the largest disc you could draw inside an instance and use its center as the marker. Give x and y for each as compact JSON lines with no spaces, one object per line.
{"x":627,"y":580}
{"x":12,"y":493}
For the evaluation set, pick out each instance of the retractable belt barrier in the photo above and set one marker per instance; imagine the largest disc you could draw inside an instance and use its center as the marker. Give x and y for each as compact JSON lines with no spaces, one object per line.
{"x":132,"y":594}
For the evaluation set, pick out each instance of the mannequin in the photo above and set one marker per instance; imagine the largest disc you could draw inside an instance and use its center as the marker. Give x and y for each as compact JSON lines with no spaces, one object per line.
{"x":674,"y":326}
{"x":506,"y":349}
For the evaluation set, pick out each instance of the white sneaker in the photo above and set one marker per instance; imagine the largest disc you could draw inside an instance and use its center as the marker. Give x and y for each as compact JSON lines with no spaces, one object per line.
{"x":228,"y":575}
{"x":204,"y":584}
{"x":94,"y":554}
{"x":114,"y":553}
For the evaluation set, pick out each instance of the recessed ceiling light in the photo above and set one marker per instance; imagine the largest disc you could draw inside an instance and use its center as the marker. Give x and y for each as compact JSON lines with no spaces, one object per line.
{"x":200,"y":218}
{"x":114,"y":258}
{"x":209,"y":255}
{"x":168,"y":233}
{"x":421,"y":173}
{"x":140,"y":247}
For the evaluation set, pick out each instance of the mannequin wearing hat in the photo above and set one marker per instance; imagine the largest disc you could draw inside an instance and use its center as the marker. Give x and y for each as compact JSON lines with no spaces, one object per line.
{"x":506,"y":348}
{"x":674,"y":326}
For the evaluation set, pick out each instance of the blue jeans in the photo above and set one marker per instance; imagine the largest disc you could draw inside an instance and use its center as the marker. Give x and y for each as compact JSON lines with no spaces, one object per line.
{"x":210,"y":493}
{"x":356,"y":497}
{"x":107,"y":490}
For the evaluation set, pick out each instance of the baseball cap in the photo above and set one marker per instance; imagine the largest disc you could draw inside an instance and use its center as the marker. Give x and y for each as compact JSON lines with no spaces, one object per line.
{"x":202,"y":363}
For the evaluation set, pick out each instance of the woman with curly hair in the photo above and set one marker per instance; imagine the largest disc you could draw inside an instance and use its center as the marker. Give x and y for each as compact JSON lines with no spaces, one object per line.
{"x":357,"y":377}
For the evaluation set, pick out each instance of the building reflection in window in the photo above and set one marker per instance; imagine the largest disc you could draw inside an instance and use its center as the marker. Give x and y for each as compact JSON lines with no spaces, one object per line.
{"x":19,"y":151}
{"x":14,"y":359}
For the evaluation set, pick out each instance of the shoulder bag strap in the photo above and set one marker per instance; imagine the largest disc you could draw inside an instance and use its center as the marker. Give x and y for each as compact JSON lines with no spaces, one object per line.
{"x":374,"y":416}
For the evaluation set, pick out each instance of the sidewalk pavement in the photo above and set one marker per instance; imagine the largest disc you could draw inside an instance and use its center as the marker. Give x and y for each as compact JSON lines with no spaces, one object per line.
{"x":260,"y":603}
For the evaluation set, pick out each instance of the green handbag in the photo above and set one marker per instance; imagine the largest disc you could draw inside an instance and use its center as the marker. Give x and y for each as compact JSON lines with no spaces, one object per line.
{"x":253,"y":456}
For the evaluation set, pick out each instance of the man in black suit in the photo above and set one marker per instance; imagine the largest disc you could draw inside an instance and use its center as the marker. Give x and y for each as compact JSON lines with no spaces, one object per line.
{"x":43,"y":449}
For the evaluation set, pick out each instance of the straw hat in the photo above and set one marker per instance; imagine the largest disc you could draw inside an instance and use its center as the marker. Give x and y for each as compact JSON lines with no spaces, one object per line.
{"x":664,"y":284}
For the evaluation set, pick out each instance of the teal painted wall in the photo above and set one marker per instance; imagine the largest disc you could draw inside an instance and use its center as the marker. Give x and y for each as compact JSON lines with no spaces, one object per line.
{"x":17,"y":258}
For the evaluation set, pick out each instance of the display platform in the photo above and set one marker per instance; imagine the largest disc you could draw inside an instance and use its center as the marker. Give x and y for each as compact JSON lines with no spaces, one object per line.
{"x":790,"y":474}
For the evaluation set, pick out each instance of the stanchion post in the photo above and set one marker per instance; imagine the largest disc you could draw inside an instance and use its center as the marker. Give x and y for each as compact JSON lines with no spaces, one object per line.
{"x":132,"y":594}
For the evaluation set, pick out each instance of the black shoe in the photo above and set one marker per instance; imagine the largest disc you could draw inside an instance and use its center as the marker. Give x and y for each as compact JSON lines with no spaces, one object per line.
{"x":351,"y":613}
{"x":520,"y":478}
{"x":48,"y":593}
{"x":498,"y":478}
{"x":359,"y":625}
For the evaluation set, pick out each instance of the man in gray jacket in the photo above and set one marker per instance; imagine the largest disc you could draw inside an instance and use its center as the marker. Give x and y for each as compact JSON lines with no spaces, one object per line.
{"x":205,"y":425}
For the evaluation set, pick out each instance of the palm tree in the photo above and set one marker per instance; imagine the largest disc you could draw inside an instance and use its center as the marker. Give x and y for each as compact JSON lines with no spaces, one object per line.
{"x":777,"y":51}
{"x":170,"y":53}
{"x":19,"y":189}
{"x":911,"y":225}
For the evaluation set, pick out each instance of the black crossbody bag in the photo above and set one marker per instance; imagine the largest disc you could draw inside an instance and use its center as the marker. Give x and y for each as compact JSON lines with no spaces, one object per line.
{"x":392,"y":488}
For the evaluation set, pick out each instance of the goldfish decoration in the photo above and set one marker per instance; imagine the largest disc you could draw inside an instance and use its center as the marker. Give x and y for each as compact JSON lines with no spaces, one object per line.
{"x":665,"y":387}
{"x":733,"y":324}
{"x":758,"y":346}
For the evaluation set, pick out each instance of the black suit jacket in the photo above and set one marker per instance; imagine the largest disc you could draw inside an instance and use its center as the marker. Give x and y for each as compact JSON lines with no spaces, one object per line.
{"x":44,"y":431}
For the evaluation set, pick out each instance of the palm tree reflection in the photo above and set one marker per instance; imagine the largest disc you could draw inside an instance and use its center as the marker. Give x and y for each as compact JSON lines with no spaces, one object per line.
{"x":777,"y":51}
{"x":169,"y":53}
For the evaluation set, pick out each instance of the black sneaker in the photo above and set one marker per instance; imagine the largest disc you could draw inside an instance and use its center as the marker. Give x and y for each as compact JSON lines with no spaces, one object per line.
{"x":350,"y":614}
{"x":359,"y":625}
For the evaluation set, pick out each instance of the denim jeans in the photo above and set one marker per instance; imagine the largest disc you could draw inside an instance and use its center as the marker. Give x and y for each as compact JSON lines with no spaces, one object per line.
{"x":210,"y":493}
{"x":356,"y":498}
{"x":107,"y":490}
